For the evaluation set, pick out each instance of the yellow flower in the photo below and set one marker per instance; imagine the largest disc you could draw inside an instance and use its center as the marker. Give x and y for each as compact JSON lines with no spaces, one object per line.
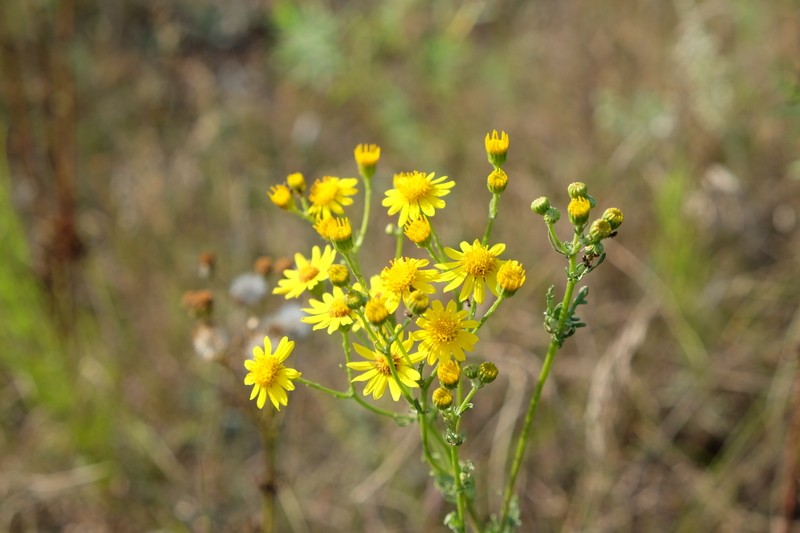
{"x":378,"y":374}
{"x":475,"y":266}
{"x":332,"y":312}
{"x":403,"y":276}
{"x":444,"y":332}
{"x":337,"y":230}
{"x":510,"y":277}
{"x":578,"y":210}
{"x":496,"y":147}
{"x":367,"y":156}
{"x":308,"y":273}
{"x":416,"y":193}
{"x":329,"y":194}
{"x":296,"y":181}
{"x":418,"y":230}
{"x":267,"y":374}
{"x":281,"y":196}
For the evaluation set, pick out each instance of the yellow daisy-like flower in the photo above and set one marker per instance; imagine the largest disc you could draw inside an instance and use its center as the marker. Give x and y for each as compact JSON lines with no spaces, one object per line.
{"x":405,"y":275}
{"x":378,"y":374}
{"x":308,"y":273}
{"x":415,"y":194}
{"x":444,"y":332}
{"x":475,"y":267}
{"x":267,"y":374}
{"x":329,"y":195}
{"x":332,"y":312}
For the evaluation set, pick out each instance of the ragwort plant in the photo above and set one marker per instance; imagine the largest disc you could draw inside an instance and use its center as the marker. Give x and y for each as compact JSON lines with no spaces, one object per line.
{"x":410,"y":327}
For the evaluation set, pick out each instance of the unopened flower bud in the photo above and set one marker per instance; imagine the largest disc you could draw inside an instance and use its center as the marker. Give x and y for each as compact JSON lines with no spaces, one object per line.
{"x":448,"y":374}
{"x":296,"y":182}
{"x":375,"y":311}
{"x":599,"y":230}
{"x":487,"y":372}
{"x":578,"y":211}
{"x":442,"y":398}
{"x":471,"y":371}
{"x":418,"y":231}
{"x":614,"y":217}
{"x":510,"y":277}
{"x":355,"y":299}
{"x":418,"y":302}
{"x":281,"y":196}
{"x":497,"y":181}
{"x":576,"y":189}
{"x":551,"y":216}
{"x":339,"y":275}
{"x":540,"y":205}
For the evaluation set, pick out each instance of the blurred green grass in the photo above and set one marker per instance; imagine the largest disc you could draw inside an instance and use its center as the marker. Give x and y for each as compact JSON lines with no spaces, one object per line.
{"x":683,"y":114}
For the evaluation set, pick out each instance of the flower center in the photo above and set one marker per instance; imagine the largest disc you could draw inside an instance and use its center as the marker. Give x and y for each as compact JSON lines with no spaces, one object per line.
{"x":399,"y":277}
{"x":414,"y":187}
{"x":324,"y":192}
{"x":382,"y":365}
{"x":267,"y":371}
{"x":478,"y":262}
{"x":444,"y":330}
{"x":307,"y":273}
{"x":339,"y":309}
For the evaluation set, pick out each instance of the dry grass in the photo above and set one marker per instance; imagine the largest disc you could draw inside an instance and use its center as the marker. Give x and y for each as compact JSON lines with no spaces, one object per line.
{"x":141,"y":135}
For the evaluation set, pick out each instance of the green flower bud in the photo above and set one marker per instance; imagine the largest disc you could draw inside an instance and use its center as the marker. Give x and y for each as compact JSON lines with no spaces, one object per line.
{"x":576,"y":189}
{"x":497,"y":181}
{"x":551,"y":216}
{"x":614,"y":217}
{"x":540,"y":205}
{"x":355,"y":300}
{"x":471,"y":371}
{"x":487,"y":372}
{"x":599,"y":230}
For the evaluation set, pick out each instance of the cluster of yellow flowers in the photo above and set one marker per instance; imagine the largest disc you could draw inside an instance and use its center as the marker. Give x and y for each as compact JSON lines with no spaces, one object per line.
{"x":440,"y":332}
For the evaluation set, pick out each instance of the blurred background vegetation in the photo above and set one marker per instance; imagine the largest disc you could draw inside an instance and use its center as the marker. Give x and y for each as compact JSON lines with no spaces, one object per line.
{"x":139,"y":134}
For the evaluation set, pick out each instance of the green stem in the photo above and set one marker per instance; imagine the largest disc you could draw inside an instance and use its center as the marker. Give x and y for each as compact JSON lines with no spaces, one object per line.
{"x":489,"y":313}
{"x":424,"y":424}
{"x":461,"y":497}
{"x":436,"y":243}
{"x":352,"y":396}
{"x":493,"y":204}
{"x":365,"y":218}
{"x":555,"y":342}
{"x":398,"y":246}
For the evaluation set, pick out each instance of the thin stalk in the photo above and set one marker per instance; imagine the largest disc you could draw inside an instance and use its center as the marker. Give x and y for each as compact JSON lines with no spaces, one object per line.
{"x":365,"y":218}
{"x":493,"y":208}
{"x":461,"y":497}
{"x":269,"y":434}
{"x":489,"y":313}
{"x":522,"y":440}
